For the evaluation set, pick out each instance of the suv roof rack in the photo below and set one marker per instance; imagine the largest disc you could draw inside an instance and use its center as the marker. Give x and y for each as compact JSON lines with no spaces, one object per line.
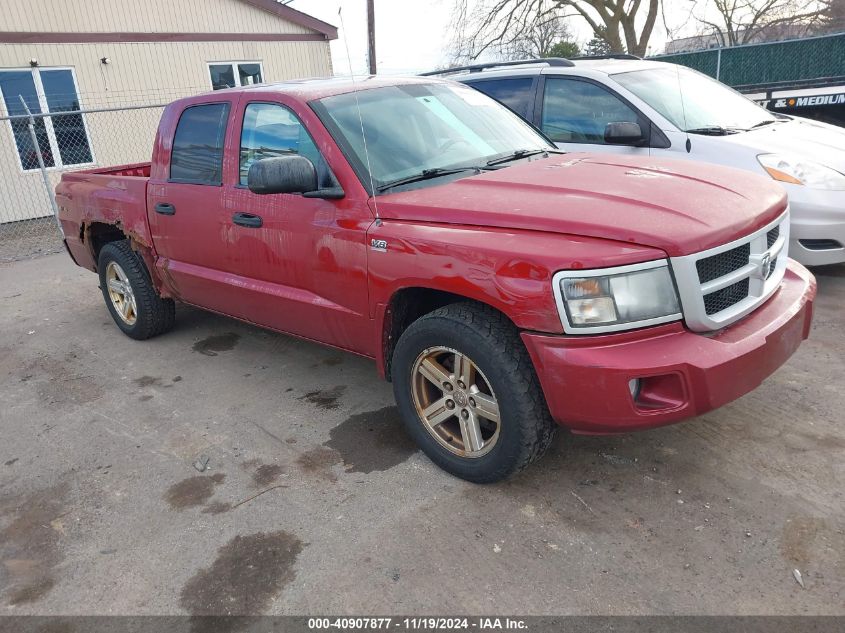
{"x":474,"y":68}
{"x":609,"y":56}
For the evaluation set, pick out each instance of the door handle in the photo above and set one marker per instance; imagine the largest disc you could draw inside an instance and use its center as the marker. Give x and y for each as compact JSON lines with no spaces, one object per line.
{"x":165,"y":208}
{"x":248,"y":220}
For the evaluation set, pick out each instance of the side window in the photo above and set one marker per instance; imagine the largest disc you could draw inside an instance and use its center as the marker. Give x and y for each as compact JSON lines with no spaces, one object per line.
{"x":578,"y":111}
{"x":515,"y":93}
{"x":197,"y":155}
{"x":272,"y":130}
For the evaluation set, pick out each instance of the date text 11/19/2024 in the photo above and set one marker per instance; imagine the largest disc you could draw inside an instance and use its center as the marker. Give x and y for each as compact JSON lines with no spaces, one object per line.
{"x":418,"y":623}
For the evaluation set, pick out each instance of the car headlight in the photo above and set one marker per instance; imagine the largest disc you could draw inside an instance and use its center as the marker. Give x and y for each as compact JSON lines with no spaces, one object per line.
{"x":802,"y":172}
{"x":612,"y":299}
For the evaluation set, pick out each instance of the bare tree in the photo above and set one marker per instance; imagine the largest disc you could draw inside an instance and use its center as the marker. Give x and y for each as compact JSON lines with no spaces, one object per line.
{"x":540,"y":39}
{"x":735,"y":22}
{"x":626,"y":25}
{"x":834,"y":16}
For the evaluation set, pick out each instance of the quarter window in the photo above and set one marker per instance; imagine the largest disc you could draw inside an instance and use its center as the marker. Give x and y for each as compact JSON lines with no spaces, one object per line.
{"x":63,"y":138}
{"x":234,"y":74}
{"x":197,"y":155}
{"x":514,"y":93}
{"x":578,"y":111}
{"x":271,"y":130}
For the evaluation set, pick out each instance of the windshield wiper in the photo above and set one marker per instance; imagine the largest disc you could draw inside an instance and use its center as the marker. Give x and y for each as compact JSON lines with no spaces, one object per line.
{"x":425,"y":174}
{"x":522,"y":153}
{"x":714,"y":130}
{"x":768,"y":122}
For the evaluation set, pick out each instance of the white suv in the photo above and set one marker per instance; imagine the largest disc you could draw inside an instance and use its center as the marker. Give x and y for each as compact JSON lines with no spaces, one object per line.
{"x":623,"y":104}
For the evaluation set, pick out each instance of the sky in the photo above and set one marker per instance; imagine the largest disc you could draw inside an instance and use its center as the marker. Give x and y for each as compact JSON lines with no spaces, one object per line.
{"x":413,"y":35}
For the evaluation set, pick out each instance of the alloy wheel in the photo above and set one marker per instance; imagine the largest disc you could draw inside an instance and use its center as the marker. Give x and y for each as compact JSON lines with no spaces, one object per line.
{"x":121,"y":294}
{"x":455,"y":402}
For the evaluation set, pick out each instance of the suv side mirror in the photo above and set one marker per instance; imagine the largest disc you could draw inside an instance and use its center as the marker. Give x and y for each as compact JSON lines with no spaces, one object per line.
{"x":624,"y":133}
{"x":282,"y":174}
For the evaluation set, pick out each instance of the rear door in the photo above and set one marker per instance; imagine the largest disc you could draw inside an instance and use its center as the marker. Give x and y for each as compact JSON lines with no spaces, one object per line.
{"x":185,"y":204}
{"x":517,"y":93}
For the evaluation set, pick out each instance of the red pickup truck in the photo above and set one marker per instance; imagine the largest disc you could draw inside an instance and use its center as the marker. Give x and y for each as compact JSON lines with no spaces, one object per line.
{"x":501,"y":285}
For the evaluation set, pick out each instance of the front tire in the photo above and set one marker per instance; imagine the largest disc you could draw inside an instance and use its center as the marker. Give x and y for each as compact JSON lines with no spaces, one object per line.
{"x":130,"y":295}
{"x":468,"y":393}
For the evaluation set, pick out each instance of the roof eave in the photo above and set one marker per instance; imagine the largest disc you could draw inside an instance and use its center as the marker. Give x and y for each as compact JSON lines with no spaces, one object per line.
{"x":297,"y":17}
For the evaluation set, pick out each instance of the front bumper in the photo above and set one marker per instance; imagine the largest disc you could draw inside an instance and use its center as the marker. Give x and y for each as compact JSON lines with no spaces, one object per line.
{"x":817,"y":222}
{"x":586,"y":379}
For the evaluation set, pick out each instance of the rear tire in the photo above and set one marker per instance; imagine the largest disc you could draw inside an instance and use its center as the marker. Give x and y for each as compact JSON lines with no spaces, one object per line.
{"x":130,"y":295}
{"x":461,"y":367}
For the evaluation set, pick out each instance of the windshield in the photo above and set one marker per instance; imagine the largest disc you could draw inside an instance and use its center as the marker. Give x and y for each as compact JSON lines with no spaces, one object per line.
{"x":706,"y":102}
{"x":411,"y":129}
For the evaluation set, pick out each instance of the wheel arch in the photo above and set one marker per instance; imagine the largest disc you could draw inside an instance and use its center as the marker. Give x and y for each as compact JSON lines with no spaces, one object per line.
{"x":405,"y":306}
{"x":95,"y":235}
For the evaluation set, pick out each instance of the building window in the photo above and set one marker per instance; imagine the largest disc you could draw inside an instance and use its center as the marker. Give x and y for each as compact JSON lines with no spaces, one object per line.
{"x":233,"y":74}
{"x":63,"y":138}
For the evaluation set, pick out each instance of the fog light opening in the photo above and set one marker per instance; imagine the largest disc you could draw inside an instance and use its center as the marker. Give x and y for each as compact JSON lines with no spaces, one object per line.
{"x":634,"y":386}
{"x":663,"y":392}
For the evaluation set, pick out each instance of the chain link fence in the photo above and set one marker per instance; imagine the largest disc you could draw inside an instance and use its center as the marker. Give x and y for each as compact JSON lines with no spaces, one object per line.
{"x":790,"y":61}
{"x":37,"y":148}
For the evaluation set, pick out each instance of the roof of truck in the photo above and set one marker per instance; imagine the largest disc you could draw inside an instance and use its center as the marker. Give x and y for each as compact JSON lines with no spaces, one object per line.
{"x":319,"y":87}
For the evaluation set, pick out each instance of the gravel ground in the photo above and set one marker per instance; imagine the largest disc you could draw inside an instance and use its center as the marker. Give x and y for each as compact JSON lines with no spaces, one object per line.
{"x":315,"y":501}
{"x":28,"y":239}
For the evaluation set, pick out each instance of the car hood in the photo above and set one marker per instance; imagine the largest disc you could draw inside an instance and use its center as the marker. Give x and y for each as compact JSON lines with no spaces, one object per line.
{"x":801,"y":138}
{"x":677,"y":206}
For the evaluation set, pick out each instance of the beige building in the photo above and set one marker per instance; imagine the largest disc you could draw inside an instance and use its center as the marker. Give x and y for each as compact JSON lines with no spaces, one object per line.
{"x":68,"y":55}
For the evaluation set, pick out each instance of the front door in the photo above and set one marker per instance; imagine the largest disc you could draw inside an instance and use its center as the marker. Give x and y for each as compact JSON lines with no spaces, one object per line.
{"x":301,"y":260}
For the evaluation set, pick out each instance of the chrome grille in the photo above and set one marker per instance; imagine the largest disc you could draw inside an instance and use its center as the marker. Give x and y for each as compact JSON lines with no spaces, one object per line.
{"x":721,"y":285}
{"x":719,"y":265}
{"x":726,"y":297}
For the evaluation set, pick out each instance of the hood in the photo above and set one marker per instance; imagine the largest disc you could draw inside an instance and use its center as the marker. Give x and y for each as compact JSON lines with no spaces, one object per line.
{"x":803,"y":138}
{"x":677,"y":206}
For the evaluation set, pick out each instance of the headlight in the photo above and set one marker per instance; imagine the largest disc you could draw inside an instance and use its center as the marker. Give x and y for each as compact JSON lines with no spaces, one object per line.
{"x":802,"y":172}
{"x":612,"y":299}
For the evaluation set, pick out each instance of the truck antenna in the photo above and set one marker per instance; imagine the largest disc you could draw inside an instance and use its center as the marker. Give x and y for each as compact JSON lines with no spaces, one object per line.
{"x":360,"y":117}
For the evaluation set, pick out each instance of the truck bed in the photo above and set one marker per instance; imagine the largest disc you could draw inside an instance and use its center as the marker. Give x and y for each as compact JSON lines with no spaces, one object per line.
{"x":111,"y":196}
{"x":132,"y":170}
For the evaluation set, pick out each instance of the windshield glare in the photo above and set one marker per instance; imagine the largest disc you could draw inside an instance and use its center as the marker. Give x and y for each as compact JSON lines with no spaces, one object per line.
{"x":706,"y":102}
{"x":416,"y":127}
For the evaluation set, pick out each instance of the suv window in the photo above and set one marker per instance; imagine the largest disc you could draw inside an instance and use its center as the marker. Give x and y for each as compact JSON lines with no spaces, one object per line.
{"x":197,"y":155}
{"x":578,"y":111}
{"x":272,"y":130}
{"x":515,"y":93}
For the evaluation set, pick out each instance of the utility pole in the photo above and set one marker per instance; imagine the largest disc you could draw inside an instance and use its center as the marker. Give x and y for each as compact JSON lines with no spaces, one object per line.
{"x":371,"y":35}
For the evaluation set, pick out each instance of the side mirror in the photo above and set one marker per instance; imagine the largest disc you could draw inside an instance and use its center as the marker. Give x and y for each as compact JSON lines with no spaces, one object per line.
{"x":624,"y":133}
{"x":282,"y":174}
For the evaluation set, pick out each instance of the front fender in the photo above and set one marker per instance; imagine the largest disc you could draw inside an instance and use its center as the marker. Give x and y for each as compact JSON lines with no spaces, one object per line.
{"x":509,"y":270}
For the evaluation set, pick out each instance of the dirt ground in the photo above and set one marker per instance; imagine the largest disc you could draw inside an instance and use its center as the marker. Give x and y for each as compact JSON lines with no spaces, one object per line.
{"x":315,"y":501}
